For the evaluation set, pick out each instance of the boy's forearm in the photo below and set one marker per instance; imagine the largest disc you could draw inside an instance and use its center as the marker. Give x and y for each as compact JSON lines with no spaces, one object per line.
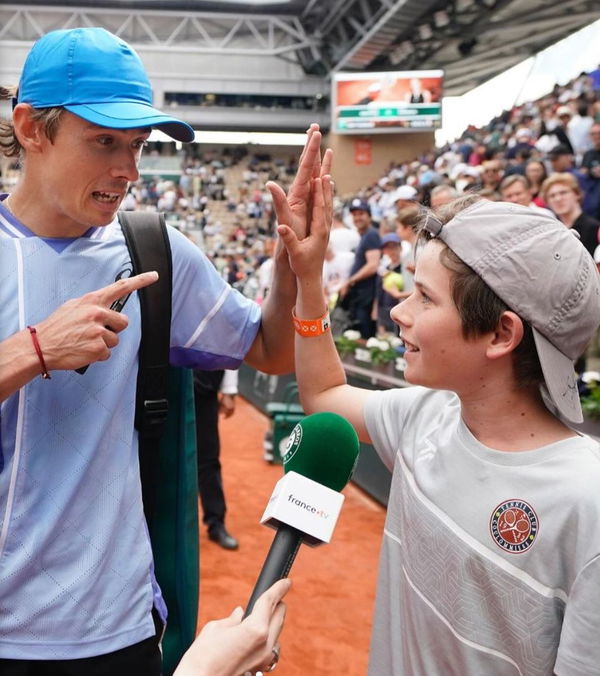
{"x":318,"y":366}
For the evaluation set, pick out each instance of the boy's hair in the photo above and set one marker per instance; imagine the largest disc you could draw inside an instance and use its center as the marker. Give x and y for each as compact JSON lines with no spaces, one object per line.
{"x":9,"y":143}
{"x":479,"y":308}
{"x":563,"y":178}
{"x":409,"y":216}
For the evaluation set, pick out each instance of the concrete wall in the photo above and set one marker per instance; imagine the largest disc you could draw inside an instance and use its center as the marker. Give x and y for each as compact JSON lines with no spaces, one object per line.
{"x":361,"y":160}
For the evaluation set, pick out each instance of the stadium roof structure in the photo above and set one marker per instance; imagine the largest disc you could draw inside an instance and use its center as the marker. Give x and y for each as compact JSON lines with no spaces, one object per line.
{"x":471,"y":40}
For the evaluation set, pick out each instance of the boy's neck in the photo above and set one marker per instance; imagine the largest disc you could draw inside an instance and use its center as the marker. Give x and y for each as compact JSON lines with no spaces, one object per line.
{"x":512,"y":420}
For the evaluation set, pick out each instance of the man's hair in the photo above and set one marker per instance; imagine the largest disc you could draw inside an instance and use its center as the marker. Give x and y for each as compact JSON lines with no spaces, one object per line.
{"x":479,"y":308}
{"x":9,"y":143}
{"x":563,"y":178}
{"x":512,"y":179}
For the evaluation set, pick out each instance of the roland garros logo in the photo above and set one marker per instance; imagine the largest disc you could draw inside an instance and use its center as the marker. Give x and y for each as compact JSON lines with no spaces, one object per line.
{"x":292,"y":443}
{"x":514,"y":526}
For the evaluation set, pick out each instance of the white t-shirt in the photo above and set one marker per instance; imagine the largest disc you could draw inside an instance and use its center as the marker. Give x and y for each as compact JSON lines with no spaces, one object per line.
{"x":337,"y":270}
{"x":343,"y":239}
{"x":490,"y":564}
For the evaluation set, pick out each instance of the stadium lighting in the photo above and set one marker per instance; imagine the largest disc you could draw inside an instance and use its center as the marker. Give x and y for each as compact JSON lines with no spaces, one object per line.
{"x":238,"y":138}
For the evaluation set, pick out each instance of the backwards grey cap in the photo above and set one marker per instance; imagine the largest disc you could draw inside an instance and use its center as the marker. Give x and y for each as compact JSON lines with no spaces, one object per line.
{"x":540,"y":269}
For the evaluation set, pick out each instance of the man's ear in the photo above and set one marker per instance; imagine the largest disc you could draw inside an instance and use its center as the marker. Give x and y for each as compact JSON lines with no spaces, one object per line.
{"x":29,"y":132}
{"x":507,"y":335}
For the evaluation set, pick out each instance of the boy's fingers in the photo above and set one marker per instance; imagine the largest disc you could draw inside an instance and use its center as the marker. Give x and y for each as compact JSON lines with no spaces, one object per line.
{"x":122,"y":287}
{"x":320,"y":213}
{"x":328,"y":195}
{"x":288,"y":237}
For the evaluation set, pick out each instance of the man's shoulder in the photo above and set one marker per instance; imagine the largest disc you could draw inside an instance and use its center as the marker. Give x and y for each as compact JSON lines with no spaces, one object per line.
{"x":586,"y":221}
{"x":372,"y":238}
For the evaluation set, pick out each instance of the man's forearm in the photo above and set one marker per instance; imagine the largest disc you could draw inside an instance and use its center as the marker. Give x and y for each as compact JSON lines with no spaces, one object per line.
{"x":18,"y":363}
{"x":273,"y":349}
{"x":362,"y":273}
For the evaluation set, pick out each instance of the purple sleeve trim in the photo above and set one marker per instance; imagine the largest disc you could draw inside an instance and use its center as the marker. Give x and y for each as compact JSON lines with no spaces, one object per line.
{"x":196,"y":359}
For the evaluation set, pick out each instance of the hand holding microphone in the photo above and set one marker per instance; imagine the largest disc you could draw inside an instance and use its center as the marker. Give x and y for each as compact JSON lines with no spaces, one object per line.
{"x":320,"y":456}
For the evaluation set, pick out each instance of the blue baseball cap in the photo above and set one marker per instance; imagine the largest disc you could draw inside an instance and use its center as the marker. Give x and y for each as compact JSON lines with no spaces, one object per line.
{"x":96,"y":76}
{"x":390,"y":238}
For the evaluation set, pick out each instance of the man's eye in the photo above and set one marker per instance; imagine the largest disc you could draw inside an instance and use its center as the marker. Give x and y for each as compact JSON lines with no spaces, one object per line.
{"x":105,"y":140}
{"x":140,"y":144}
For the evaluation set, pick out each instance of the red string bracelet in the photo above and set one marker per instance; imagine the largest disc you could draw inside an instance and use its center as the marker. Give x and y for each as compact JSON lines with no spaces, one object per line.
{"x":38,"y":349}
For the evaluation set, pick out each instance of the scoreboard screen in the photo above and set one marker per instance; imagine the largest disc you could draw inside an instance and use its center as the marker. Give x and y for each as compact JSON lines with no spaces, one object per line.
{"x":393,"y":101}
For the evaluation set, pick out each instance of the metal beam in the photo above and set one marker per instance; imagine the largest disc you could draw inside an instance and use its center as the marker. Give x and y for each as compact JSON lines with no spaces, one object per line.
{"x":199,"y":32}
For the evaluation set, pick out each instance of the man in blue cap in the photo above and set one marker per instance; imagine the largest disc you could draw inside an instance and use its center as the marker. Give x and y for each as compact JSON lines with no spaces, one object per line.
{"x":78,"y":590}
{"x":358,"y":293}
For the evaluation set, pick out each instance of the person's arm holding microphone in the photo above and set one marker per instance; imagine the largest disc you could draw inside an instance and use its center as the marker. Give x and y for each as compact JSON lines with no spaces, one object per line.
{"x":232,"y":646}
{"x":319,"y":371}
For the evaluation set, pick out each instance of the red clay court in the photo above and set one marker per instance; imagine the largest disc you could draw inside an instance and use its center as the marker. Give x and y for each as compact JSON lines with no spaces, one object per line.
{"x":330,"y":607}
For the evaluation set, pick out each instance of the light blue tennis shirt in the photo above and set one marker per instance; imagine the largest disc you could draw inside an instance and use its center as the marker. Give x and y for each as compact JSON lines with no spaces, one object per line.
{"x":76,"y":574}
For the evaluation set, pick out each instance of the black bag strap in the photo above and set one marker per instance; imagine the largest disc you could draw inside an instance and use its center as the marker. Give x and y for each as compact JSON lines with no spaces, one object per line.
{"x":148,"y":243}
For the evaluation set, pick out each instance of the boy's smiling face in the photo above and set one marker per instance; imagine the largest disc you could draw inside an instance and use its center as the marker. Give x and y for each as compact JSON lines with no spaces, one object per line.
{"x":437,"y":353}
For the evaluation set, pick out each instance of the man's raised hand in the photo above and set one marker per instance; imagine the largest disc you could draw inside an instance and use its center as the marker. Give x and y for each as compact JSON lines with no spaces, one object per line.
{"x":295,"y":208}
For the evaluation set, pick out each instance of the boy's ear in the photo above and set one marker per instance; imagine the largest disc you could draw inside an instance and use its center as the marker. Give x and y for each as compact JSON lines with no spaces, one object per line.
{"x":507,"y":335}
{"x":30,"y":132}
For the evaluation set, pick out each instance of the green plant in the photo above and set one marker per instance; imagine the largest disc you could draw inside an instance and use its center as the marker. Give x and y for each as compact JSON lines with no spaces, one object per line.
{"x":347,"y":343}
{"x":590,"y":403}
{"x":382,"y":351}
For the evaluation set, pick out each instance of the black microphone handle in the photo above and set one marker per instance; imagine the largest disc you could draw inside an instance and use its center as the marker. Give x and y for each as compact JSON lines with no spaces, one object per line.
{"x":279,"y":560}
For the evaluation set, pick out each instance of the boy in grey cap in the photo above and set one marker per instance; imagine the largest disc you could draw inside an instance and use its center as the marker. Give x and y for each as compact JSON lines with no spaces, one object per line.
{"x":490,"y":563}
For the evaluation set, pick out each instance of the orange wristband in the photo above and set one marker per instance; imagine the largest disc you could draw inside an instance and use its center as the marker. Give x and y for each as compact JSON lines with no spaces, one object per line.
{"x":311,"y":327}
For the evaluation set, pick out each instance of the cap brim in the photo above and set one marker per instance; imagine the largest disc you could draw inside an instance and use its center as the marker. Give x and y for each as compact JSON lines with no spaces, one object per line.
{"x":130,"y":115}
{"x":560,"y":377}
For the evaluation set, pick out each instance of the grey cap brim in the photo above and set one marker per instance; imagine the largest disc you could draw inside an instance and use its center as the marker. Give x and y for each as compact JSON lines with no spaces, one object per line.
{"x":560,"y":378}
{"x":131,"y":115}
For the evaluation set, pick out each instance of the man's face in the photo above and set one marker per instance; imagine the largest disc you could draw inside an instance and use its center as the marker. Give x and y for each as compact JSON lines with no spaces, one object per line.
{"x":562,"y":199}
{"x":491,"y":174}
{"x":362,"y":219}
{"x":561,"y":163}
{"x":84,"y":174}
{"x":517,"y":193}
{"x":595,"y":136}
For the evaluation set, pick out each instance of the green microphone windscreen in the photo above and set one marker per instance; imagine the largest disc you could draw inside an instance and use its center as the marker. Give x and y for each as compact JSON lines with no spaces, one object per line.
{"x":323,"y":447}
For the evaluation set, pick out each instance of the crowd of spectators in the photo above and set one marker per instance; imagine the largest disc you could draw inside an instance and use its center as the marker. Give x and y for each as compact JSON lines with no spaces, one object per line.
{"x":544,"y":154}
